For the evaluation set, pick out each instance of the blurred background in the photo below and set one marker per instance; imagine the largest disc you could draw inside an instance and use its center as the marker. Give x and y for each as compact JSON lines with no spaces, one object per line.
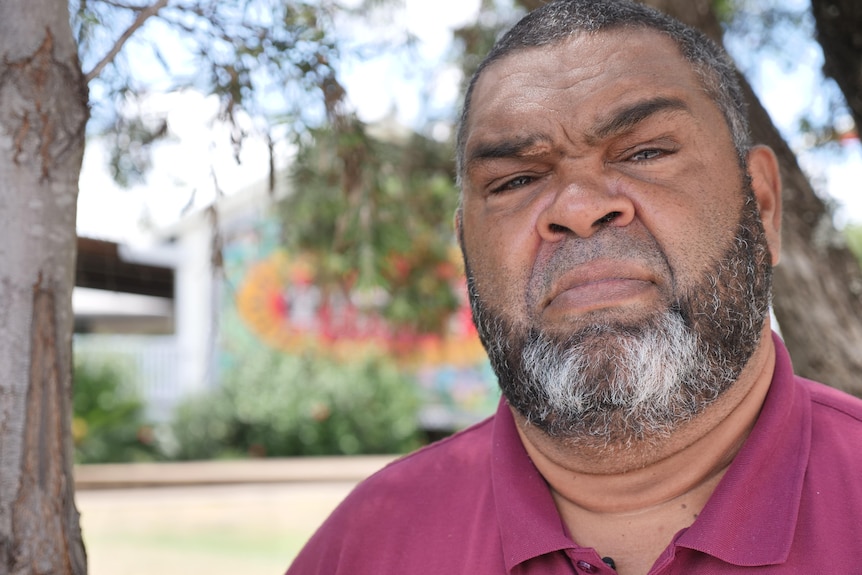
{"x":267,"y":274}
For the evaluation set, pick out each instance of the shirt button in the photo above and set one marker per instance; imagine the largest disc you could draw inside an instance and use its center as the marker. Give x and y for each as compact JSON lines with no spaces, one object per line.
{"x":586,"y":567}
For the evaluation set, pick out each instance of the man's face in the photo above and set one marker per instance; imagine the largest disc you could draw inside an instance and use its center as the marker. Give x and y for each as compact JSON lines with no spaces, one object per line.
{"x":618,"y":271}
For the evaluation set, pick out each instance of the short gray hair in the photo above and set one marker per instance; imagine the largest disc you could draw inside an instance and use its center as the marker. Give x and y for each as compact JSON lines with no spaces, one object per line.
{"x":561,"y":19}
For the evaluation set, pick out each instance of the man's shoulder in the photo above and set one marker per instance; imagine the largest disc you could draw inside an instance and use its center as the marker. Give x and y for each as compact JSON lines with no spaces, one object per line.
{"x":836,"y":431}
{"x":463,"y":454}
{"x":833,"y":404}
{"x":434,"y":475}
{"x":427,"y":502}
{"x":422,"y":502}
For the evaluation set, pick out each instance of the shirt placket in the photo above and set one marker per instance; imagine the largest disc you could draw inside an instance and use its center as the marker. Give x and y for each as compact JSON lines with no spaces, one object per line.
{"x":588,"y":562}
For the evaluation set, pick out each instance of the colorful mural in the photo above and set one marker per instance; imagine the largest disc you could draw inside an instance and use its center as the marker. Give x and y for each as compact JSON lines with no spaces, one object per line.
{"x":275,"y":301}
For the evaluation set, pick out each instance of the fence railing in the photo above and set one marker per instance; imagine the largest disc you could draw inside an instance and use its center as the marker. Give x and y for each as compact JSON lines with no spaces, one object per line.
{"x":151,"y":362}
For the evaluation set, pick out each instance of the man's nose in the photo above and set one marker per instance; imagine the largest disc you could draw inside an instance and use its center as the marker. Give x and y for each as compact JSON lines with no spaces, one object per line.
{"x":582,"y":208}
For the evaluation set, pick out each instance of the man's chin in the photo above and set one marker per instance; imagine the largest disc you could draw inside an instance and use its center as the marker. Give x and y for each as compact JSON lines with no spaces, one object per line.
{"x":602,"y":330}
{"x":601,"y":430}
{"x":623,"y":321}
{"x":613,"y":382}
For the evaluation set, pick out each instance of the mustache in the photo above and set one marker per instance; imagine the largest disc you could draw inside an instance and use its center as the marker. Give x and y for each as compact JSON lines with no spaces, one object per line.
{"x":628,"y":249}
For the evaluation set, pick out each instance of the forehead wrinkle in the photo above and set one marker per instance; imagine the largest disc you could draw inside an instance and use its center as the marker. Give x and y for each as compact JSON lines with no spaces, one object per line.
{"x":529,"y":146}
{"x":624,"y":119}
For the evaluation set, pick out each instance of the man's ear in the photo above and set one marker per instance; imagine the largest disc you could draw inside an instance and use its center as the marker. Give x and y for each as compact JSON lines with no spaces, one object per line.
{"x":458,"y":217}
{"x":766,"y":182}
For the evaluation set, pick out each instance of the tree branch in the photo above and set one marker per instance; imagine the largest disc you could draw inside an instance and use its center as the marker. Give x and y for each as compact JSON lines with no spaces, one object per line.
{"x":143,"y":16}
{"x":123,"y":5}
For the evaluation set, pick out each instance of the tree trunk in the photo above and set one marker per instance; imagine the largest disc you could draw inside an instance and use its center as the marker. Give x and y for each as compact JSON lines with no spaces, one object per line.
{"x":43,"y":111}
{"x":818,"y":282}
{"x":839,"y":32}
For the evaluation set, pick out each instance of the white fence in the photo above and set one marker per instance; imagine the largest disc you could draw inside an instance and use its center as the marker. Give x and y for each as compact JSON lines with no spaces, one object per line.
{"x":153,"y":363}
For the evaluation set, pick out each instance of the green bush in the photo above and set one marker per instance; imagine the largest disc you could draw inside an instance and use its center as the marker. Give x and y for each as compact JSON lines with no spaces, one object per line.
{"x":108,"y":424}
{"x":201,"y":428}
{"x":854,"y":240}
{"x":280,"y":405}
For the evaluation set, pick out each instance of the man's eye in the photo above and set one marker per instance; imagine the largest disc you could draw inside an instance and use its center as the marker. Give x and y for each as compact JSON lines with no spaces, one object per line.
{"x":514,"y":183}
{"x":649,"y":154}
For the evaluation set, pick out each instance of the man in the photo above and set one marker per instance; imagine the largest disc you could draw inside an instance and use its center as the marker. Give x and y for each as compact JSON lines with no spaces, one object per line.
{"x":618,"y":232}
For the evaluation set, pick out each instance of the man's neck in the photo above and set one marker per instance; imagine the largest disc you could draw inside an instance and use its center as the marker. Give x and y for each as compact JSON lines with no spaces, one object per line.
{"x":628,"y":503}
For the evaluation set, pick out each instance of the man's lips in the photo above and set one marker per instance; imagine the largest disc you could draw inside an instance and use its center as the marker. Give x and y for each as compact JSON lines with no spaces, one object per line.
{"x":598,"y":285}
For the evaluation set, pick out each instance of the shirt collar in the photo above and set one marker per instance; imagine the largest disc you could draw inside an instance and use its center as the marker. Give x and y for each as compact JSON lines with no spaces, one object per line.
{"x":530,"y":525}
{"x":750,"y":519}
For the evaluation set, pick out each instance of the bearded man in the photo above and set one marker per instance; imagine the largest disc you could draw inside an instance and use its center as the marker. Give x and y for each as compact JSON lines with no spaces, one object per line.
{"x":618,"y":232}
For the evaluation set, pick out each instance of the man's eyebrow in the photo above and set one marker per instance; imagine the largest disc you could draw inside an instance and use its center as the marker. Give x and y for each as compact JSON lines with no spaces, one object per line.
{"x":615,"y":123}
{"x":510,"y":148}
{"x":626,"y":118}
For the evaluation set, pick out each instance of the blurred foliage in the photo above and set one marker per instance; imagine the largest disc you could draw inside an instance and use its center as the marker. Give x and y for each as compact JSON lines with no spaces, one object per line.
{"x":761,"y":30}
{"x":724,"y":9}
{"x":474,"y":41}
{"x":375,"y":213}
{"x":128,"y":145}
{"x":375,"y":208}
{"x":853,"y":235}
{"x":272,"y":404}
{"x":108,"y":424}
{"x":272,"y":65}
{"x":763,"y":22}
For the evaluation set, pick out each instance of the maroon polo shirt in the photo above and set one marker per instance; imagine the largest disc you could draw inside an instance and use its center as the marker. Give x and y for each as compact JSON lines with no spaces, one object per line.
{"x":791,"y":502}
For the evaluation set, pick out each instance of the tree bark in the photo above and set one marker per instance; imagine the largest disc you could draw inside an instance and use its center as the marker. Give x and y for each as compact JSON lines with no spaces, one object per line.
{"x":839,"y":32}
{"x":818,"y":282}
{"x":43,"y":112}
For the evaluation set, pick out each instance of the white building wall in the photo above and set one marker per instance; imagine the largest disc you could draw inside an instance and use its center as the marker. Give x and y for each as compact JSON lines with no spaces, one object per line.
{"x":194,"y":305}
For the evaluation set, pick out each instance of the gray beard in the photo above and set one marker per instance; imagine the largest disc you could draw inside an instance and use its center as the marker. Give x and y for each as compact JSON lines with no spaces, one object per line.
{"x":621,"y":384}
